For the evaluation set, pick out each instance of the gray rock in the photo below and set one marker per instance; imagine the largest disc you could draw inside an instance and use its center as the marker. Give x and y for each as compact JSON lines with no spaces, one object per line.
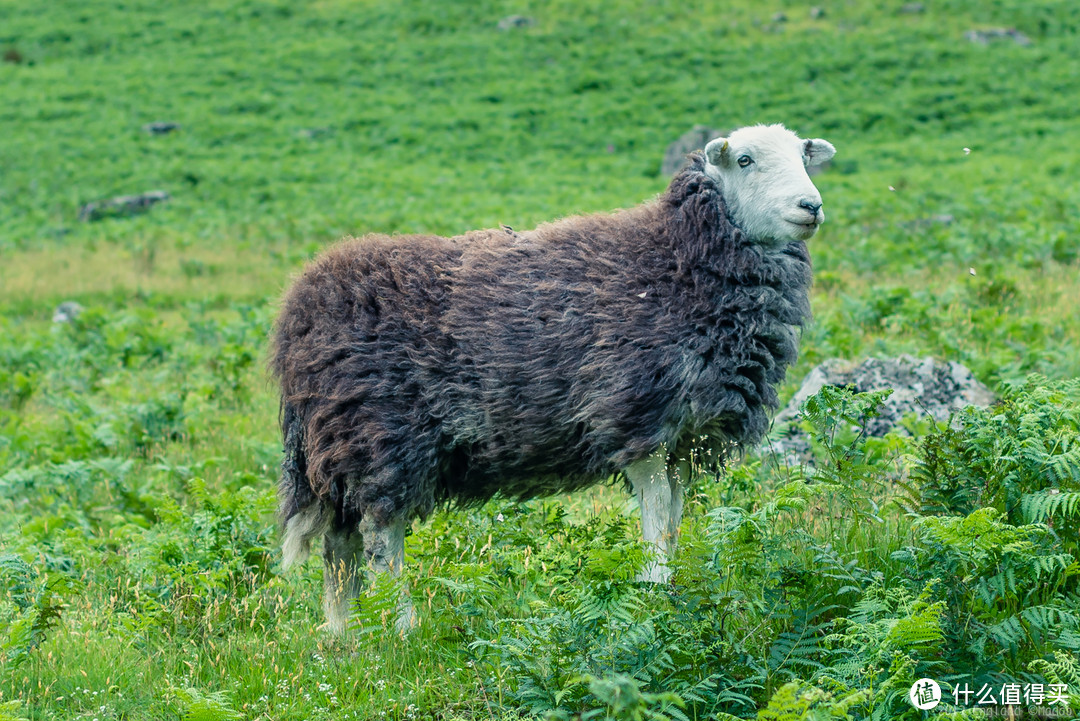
{"x":920,"y":385}
{"x":912,"y":8}
{"x":694,"y":139}
{"x":819,"y":168}
{"x":929,"y":222}
{"x":161,"y":127}
{"x":121,"y":206}
{"x":816,"y":13}
{"x":515,"y":21}
{"x":66,"y":312}
{"x":985,"y":37}
{"x":315,"y":133}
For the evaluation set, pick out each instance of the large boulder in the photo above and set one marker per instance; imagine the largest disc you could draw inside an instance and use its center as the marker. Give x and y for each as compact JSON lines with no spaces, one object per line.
{"x":920,"y":385}
{"x":67,"y":312}
{"x":694,"y":139}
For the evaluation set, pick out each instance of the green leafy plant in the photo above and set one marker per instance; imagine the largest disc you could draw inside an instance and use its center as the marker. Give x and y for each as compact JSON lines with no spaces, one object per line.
{"x":1021,"y":457}
{"x":196,"y":705}
{"x":35,"y":606}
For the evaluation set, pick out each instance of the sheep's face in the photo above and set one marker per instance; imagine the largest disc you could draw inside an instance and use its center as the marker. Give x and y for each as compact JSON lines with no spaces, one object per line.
{"x":762,"y":173}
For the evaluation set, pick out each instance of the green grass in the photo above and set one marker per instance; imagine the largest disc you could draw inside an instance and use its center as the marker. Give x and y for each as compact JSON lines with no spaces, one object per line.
{"x":138,"y":448}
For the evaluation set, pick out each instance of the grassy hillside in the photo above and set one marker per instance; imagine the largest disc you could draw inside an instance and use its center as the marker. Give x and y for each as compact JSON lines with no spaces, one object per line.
{"x":138,"y":445}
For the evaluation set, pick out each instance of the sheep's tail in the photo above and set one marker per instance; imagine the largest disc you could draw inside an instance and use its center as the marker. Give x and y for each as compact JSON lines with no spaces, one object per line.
{"x":302,"y":514}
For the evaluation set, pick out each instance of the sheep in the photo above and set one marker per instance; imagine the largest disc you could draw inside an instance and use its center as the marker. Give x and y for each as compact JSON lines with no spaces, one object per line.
{"x":421,"y":371}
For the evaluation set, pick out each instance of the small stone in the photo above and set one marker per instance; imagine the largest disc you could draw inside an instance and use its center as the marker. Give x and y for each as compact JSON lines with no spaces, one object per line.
{"x":816,"y":13}
{"x":121,"y":206}
{"x":779,"y":17}
{"x":315,"y":133}
{"x":161,"y":127}
{"x":985,"y":37}
{"x":912,"y":8}
{"x":922,"y":223}
{"x":515,"y":21}
{"x":66,"y":312}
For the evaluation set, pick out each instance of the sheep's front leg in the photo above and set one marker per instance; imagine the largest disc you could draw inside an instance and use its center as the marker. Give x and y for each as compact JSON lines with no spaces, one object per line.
{"x":660,"y":498}
{"x":385,"y":550}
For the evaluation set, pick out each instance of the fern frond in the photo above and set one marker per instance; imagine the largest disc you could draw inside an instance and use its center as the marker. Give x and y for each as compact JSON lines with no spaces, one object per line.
{"x":1043,"y":506}
{"x":199,"y":705}
{"x":13,"y":711}
{"x":802,"y":646}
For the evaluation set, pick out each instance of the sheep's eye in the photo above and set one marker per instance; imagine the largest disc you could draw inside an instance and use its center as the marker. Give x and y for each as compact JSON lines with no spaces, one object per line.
{"x":745,"y":160}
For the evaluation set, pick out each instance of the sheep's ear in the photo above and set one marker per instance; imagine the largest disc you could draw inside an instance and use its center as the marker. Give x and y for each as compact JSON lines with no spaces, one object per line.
{"x":817,"y":151}
{"x":716,"y":152}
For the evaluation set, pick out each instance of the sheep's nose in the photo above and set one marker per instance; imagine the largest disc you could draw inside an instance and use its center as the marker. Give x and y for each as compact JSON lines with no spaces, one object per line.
{"x":814,"y":208}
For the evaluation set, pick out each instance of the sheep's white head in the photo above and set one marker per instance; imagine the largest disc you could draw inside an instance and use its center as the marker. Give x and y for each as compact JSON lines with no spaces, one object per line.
{"x":762,"y":174}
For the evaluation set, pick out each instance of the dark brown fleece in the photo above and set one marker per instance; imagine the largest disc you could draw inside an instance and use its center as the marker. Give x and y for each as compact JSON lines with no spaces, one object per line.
{"x":419,"y":370}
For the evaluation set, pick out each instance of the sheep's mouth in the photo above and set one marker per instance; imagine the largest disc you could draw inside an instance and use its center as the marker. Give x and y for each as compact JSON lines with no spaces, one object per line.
{"x":805,"y":228}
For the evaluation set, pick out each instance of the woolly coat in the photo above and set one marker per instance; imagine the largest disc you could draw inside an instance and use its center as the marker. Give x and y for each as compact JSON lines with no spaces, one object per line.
{"x":419,"y":370}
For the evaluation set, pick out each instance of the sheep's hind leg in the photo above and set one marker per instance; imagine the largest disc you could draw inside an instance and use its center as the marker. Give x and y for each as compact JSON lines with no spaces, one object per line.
{"x":385,"y":549}
{"x":660,"y":498}
{"x":343,"y":575}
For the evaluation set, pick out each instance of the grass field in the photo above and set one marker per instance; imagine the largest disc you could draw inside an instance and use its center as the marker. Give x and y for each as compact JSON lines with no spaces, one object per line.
{"x":139,"y":572}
